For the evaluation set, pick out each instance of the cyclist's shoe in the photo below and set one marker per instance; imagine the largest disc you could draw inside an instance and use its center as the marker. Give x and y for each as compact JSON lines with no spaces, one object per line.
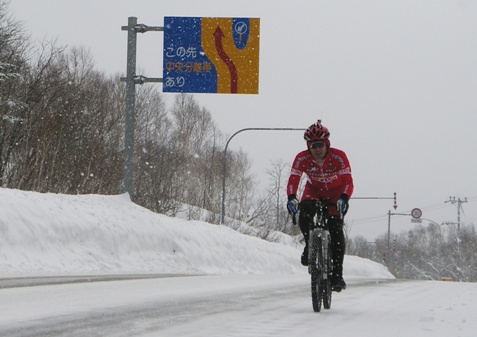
{"x":338,"y":284}
{"x":304,"y":257}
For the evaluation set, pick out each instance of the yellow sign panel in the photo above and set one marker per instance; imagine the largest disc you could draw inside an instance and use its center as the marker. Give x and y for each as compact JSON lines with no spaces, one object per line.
{"x":214,"y":55}
{"x":233,"y":47}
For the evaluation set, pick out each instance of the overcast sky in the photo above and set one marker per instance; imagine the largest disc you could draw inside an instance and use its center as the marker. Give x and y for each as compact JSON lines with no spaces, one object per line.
{"x":395,"y":82}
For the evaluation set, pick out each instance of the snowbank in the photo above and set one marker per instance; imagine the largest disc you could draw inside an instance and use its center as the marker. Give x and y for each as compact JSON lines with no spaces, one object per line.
{"x":54,"y":234}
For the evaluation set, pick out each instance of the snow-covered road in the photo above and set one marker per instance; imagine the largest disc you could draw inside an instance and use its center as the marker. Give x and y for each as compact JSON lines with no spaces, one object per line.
{"x":259,"y":287}
{"x":238,"y":305}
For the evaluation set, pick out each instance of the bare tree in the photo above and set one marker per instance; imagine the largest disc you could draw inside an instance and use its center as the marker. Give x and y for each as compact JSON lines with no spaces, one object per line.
{"x":155,"y":179}
{"x":240,"y":186}
{"x":62,"y":130}
{"x":198,"y":144}
{"x":13,"y":59}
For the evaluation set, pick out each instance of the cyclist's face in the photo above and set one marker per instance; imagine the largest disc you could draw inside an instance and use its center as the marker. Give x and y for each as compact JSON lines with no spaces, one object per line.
{"x":317,"y":149}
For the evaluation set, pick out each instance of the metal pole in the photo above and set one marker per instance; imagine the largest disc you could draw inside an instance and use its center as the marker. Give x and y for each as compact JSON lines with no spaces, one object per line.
{"x":224,"y":161}
{"x":389,"y":238}
{"x":130,"y":105}
{"x":389,"y":264}
{"x":131,"y":80}
{"x":395,"y":199}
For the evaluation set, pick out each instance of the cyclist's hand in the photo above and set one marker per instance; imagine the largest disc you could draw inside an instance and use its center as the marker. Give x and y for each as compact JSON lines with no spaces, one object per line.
{"x":342,"y":204}
{"x":292,"y":204}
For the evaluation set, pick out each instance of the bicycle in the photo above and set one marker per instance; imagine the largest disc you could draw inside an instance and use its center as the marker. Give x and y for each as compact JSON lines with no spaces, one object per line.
{"x":320,"y":265}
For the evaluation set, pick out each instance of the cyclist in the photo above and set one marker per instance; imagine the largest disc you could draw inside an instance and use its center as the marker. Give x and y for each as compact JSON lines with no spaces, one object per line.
{"x":329,"y":179}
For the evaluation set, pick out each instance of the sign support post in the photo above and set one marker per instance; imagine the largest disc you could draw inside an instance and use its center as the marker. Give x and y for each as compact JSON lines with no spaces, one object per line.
{"x":130,"y":119}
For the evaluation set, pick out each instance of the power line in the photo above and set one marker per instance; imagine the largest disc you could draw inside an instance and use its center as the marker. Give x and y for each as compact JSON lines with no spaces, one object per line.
{"x":431,"y":207}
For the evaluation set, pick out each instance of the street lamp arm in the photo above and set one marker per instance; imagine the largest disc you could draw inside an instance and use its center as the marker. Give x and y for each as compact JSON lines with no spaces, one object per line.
{"x":224,"y":161}
{"x":431,"y":221}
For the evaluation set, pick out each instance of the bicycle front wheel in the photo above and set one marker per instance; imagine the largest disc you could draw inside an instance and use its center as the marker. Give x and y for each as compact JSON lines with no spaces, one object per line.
{"x":316,"y":268}
{"x":326,"y":285}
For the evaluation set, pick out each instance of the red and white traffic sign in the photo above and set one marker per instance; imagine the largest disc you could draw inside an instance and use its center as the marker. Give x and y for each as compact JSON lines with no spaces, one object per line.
{"x":416,"y":213}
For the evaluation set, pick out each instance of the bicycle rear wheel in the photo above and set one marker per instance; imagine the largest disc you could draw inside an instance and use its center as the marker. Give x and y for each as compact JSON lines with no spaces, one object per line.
{"x":315,"y":265}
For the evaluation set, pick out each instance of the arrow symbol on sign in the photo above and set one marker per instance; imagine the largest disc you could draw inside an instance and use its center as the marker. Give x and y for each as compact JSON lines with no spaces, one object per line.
{"x":218,"y":35}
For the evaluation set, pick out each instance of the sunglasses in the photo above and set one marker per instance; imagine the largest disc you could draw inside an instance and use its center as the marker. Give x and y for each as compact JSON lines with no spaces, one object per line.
{"x":316,"y":144}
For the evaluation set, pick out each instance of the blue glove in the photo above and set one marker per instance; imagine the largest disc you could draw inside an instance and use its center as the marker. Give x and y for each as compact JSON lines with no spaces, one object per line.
{"x":342,"y":204}
{"x":292,"y":204}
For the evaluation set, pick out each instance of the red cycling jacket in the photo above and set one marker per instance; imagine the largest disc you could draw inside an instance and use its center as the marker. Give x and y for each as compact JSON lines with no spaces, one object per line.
{"x":327,"y":181}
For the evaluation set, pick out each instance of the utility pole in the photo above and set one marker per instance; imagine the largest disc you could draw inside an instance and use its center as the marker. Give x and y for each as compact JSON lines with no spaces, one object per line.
{"x":459,"y":203}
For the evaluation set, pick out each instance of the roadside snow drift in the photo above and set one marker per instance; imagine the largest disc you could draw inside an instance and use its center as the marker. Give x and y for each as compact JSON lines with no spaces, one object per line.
{"x":54,"y":234}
